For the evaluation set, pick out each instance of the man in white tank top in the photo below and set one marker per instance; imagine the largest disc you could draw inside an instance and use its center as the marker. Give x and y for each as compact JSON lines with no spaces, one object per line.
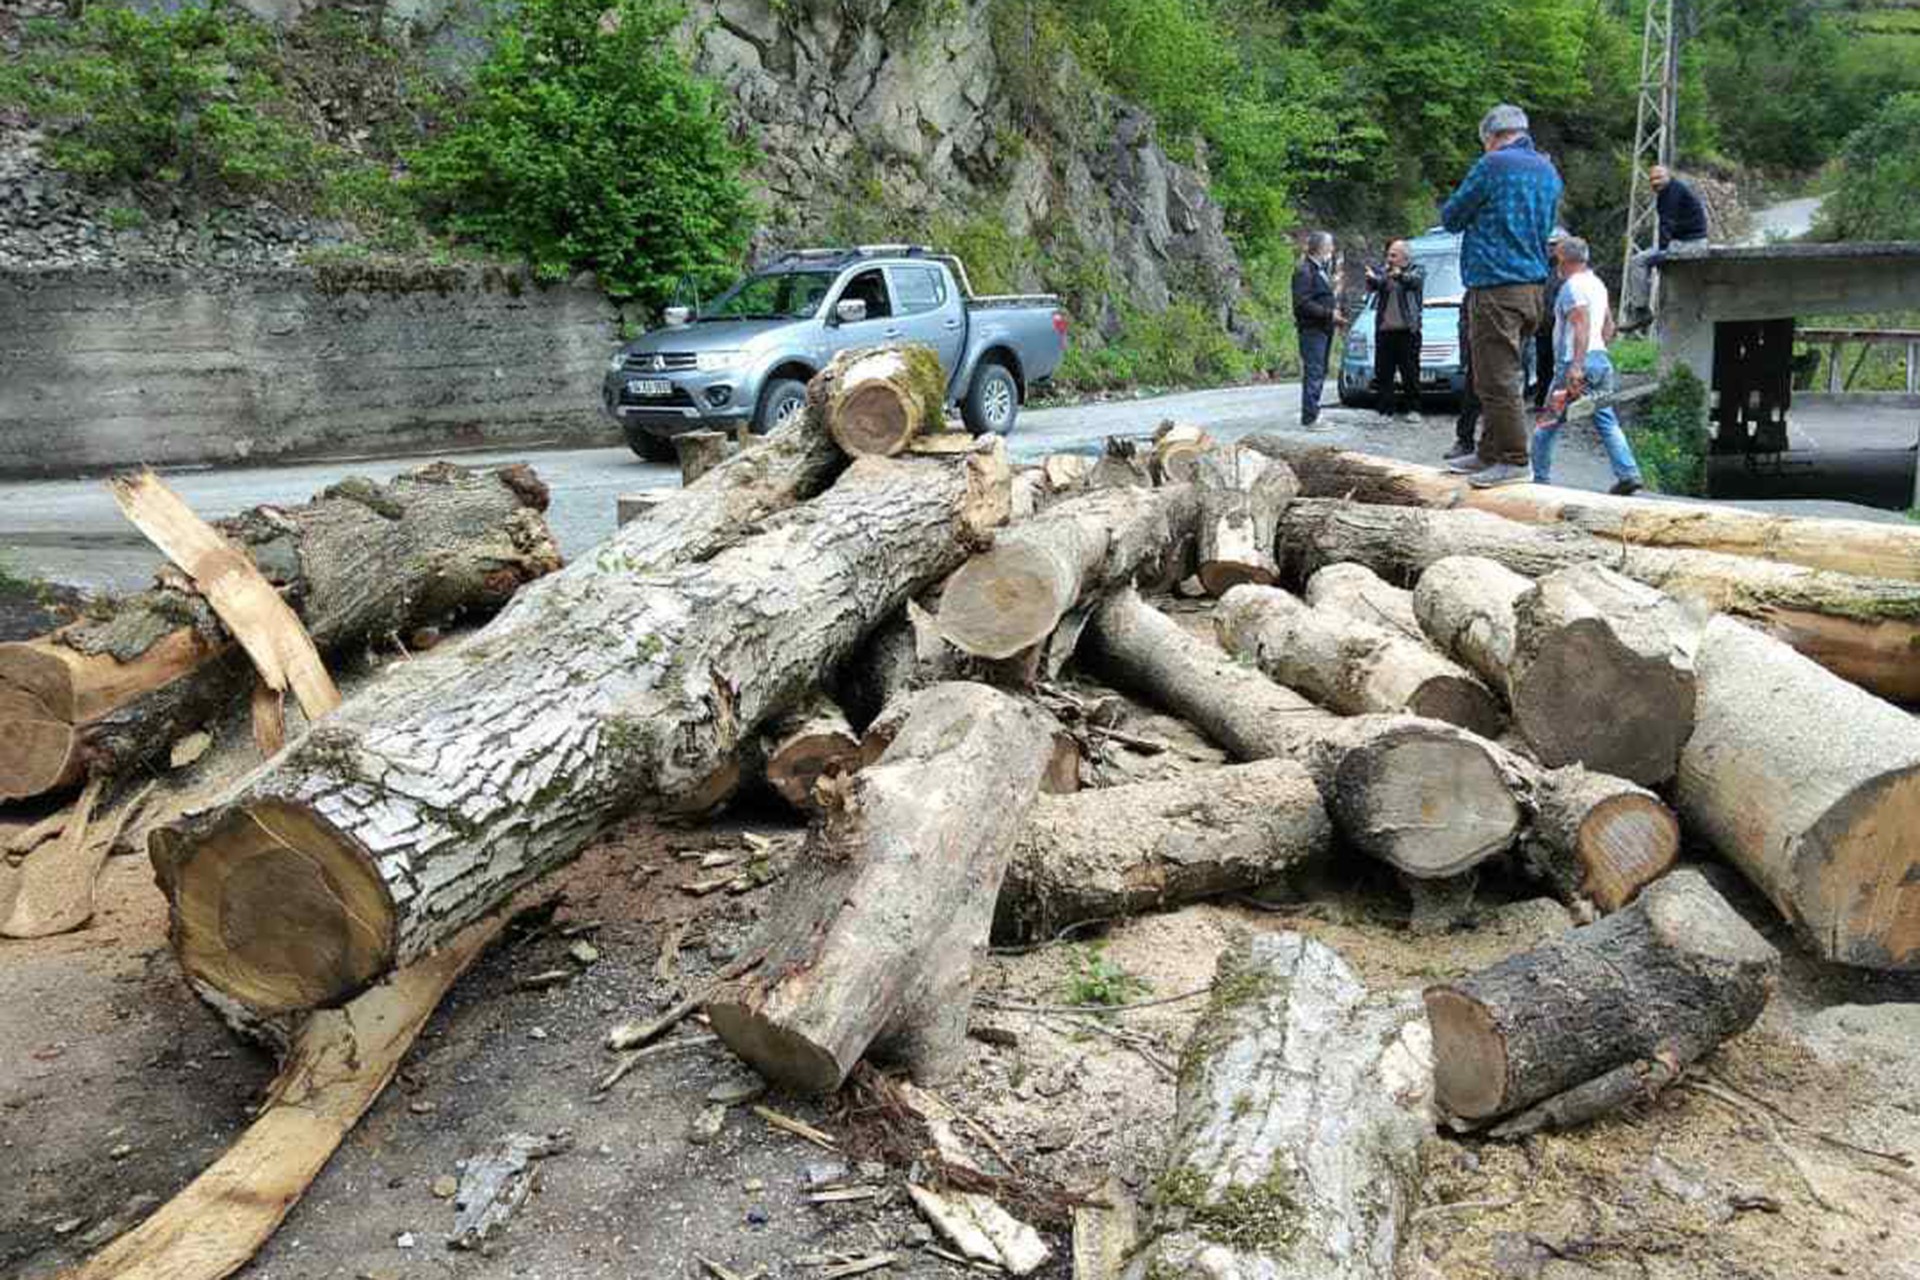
{"x":1582,"y":323}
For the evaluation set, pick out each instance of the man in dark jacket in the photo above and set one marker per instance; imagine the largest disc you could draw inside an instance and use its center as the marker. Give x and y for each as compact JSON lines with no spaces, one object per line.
{"x":1683,"y":226}
{"x":1544,"y":365}
{"x":1399,"y":291}
{"x":1316,"y":314}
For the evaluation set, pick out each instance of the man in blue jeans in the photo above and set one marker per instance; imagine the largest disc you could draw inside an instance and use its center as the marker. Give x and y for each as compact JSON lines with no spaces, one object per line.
{"x":1316,"y":313}
{"x":1582,"y":323}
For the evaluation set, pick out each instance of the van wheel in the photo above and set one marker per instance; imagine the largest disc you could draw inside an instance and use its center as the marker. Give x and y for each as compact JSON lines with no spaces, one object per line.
{"x":647,"y":446}
{"x":784,"y":400}
{"x":993,"y":401}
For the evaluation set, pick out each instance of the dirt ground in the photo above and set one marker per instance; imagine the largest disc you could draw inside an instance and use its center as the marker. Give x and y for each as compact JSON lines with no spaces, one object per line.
{"x":117,"y":1087}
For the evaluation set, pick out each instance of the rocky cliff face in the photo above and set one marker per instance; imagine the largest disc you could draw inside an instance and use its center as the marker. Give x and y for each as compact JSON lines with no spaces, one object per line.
{"x":903,"y":121}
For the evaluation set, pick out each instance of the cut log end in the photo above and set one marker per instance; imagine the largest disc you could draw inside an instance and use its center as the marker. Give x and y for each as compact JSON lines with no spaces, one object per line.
{"x":276,"y":909}
{"x":1581,"y":677}
{"x":37,"y":755}
{"x":1427,"y":801}
{"x":1472,"y":1075}
{"x":997,"y":606}
{"x":1459,"y":700}
{"x":1626,"y":842}
{"x":775,"y":1051}
{"x":874,"y":419}
{"x":1861,"y":895}
{"x":1218,"y":577}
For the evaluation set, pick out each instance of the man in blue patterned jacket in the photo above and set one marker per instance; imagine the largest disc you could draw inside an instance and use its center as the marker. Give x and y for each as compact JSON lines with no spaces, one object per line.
{"x":1505,"y":210}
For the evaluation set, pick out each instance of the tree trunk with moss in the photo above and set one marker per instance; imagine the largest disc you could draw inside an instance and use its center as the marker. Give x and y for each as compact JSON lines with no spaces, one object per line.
{"x":876,"y":400}
{"x":362,"y":563}
{"x":1302,"y":1104}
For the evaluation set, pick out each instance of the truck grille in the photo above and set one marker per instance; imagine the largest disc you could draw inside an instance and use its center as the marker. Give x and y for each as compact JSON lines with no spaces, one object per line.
{"x":1439,"y":353}
{"x":660,"y":361}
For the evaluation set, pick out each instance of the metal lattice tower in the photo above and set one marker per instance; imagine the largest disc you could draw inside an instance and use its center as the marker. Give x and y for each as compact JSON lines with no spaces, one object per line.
{"x":1655,"y":123}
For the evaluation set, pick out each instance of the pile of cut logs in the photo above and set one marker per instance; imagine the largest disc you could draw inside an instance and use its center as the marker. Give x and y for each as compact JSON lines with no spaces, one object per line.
{"x":1582,"y":686}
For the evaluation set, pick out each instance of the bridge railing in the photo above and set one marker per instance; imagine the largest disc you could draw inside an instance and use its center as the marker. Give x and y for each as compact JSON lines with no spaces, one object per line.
{"x":1836,"y":339}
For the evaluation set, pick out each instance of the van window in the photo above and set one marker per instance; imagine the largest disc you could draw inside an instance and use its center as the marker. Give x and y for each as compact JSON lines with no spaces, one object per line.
{"x":869,"y":287}
{"x":919,"y":289}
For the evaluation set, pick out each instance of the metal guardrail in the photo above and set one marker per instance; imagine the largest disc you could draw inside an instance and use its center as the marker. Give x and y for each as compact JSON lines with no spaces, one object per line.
{"x":1835,"y":339}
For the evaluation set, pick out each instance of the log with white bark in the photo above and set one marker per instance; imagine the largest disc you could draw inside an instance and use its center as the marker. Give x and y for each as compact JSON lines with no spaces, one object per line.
{"x":1812,"y":788}
{"x":1009,"y":599}
{"x":1865,"y":629}
{"x":1868,"y":548}
{"x":423,"y":801}
{"x":1425,"y":796}
{"x":1303,"y":1102}
{"x":1597,"y":840}
{"x":1241,"y":496}
{"x":1349,"y":664}
{"x":1359,"y":592}
{"x":700,"y":452}
{"x":876,"y":400}
{"x":1122,"y":850}
{"x":881,"y":920}
{"x":359,"y":563}
{"x":1464,"y":604}
{"x":809,"y":741}
{"x":1661,"y":982}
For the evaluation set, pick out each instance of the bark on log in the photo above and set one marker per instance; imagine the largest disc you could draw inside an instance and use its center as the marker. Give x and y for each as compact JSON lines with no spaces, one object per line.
{"x":1670,"y":978}
{"x":1119,"y":466}
{"x":1359,"y":592}
{"x":1602,"y":673}
{"x":1007,"y":600}
{"x":1241,"y":495}
{"x":811,"y":741}
{"x":1177,"y":448}
{"x":1865,"y":548}
{"x":700,"y":452}
{"x":1302,"y":1105}
{"x":359,"y":562}
{"x":1864,"y":629}
{"x":883,"y":918}
{"x":876,"y":400}
{"x":425,"y":800}
{"x":1465,"y":606}
{"x":1348,"y":664}
{"x":1123,"y":850}
{"x":1812,"y":788}
{"x":1597,"y":840}
{"x":1424,"y":796}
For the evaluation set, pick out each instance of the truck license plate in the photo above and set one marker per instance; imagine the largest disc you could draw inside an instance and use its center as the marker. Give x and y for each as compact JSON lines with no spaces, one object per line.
{"x":1429,"y":373}
{"x":649,"y":387}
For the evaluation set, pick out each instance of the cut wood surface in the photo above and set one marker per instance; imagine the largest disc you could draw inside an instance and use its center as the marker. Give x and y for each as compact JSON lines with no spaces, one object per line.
{"x":1121,"y":850}
{"x":1812,"y":788}
{"x":1865,"y":629}
{"x":55,"y":888}
{"x":1670,"y":977}
{"x":1602,"y":673}
{"x":1177,"y":447}
{"x":1597,"y":840}
{"x":1349,"y":664}
{"x":1465,"y":606}
{"x":339,"y":1063}
{"x":1427,"y":797}
{"x":460,"y":777}
{"x":1007,"y":600}
{"x":361,"y":562}
{"x":1241,"y":494}
{"x":1361,"y":593}
{"x":1868,"y":548}
{"x":809,"y":742}
{"x":1067,"y":471}
{"x":880,"y":922}
{"x":877,"y":399}
{"x":1302,"y":1106}
{"x":700,"y":452}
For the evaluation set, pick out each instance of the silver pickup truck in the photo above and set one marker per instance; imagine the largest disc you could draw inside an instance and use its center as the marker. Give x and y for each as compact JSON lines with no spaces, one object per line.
{"x":747,"y":355}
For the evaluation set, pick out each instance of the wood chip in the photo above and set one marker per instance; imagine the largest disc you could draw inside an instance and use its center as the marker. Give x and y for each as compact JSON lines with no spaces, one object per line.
{"x":798,"y":1128}
{"x":189,"y":749}
{"x":713,"y":860}
{"x":860,"y":1266}
{"x":55,"y":891}
{"x":757,"y":843}
{"x":844,"y":1193}
{"x":547,"y":978}
{"x":721,"y":1272}
{"x":701,"y":888}
{"x":981,"y":1229}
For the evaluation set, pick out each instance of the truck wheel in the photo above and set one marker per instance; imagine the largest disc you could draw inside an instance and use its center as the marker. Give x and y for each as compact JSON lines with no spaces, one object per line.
{"x":649,"y":447}
{"x":782,"y":401}
{"x":993,"y":401}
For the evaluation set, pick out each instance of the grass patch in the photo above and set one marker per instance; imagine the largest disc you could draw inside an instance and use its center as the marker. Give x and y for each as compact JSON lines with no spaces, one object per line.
{"x":1093,"y":978}
{"x":1635,"y":354}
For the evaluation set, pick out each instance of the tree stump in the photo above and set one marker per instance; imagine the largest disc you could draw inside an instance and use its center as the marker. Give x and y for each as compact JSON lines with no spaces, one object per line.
{"x":880,"y":924}
{"x":1668,"y":978}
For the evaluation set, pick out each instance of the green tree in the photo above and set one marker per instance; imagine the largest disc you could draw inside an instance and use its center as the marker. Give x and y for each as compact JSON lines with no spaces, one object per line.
{"x":587,"y":143}
{"x":1876,"y":177}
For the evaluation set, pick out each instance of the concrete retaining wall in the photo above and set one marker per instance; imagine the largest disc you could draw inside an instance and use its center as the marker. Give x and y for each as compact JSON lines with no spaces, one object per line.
{"x":108,"y":369}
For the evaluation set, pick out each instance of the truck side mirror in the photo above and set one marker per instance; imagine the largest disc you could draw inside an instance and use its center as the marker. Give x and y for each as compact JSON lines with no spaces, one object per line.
{"x":678,"y":317}
{"x":850,"y":310}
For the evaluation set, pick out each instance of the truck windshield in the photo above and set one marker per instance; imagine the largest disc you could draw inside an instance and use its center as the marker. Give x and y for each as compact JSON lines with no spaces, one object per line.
{"x":1443,"y":277}
{"x":777,"y":295}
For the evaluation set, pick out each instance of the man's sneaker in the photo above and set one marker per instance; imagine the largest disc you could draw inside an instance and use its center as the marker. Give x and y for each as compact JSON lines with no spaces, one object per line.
{"x":1462,"y":451}
{"x":1626,"y":488}
{"x":1500,"y":473}
{"x":1411,"y":416}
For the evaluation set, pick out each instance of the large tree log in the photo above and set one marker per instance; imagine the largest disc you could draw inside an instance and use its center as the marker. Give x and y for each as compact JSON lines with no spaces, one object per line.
{"x":1424,"y":796}
{"x":1865,"y":629}
{"x":1349,"y":664}
{"x":1812,"y":788}
{"x":1008,"y":600}
{"x":1241,"y":496}
{"x":421,"y":803}
{"x":1667,"y":979}
{"x":1602,"y":673}
{"x":1302,"y":1105}
{"x":1465,"y":606}
{"x":1597,"y":840}
{"x":876,"y":400}
{"x":1359,"y":592}
{"x":1122,"y":850}
{"x":1867,"y":548}
{"x":360,"y":562}
{"x":883,"y":918}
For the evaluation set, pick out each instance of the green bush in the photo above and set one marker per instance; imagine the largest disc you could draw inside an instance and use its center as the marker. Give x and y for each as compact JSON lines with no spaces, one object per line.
{"x":190,"y":96}
{"x":1670,"y":439}
{"x":1634,"y":355}
{"x":1877,"y":174}
{"x":587,"y":143}
{"x":1182,"y":346}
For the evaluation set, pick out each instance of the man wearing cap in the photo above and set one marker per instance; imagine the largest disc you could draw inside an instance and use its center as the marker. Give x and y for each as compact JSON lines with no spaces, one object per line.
{"x":1504,"y":210}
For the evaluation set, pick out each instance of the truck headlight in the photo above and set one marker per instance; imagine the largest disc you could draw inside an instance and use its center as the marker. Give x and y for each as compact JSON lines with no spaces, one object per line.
{"x":1357,"y":345}
{"x":718,"y":361}
{"x":616,"y":362}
